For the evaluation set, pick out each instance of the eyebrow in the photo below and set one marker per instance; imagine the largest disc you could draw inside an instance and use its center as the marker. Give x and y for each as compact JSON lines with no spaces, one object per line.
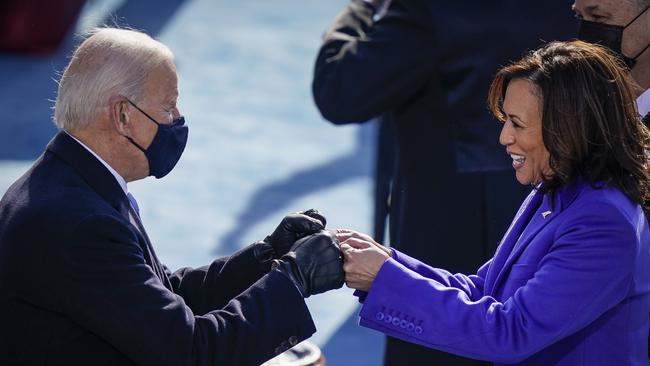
{"x":514,"y":116}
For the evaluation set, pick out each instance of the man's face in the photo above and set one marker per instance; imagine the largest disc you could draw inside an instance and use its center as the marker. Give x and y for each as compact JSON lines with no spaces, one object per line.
{"x":618,"y":12}
{"x":160,"y":98}
{"x":161,"y":95}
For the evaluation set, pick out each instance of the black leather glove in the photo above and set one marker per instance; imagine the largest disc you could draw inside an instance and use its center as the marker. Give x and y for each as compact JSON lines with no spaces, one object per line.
{"x":314,"y":264}
{"x":293,"y":227}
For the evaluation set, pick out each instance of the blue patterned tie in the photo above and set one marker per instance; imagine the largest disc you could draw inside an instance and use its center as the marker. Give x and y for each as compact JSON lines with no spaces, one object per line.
{"x":134,"y":203}
{"x":147,"y":248}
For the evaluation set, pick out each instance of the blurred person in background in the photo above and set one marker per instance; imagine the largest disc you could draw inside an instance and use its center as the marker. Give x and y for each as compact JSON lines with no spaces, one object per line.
{"x":624,"y":28}
{"x":36,"y":27}
{"x":570,"y":282}
{"x":423,"y":67}
{"x":80,"y":283}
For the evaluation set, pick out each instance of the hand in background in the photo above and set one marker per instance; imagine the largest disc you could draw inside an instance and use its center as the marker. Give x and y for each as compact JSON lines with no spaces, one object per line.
{"x":363,"y":257}
{"x":293,"y":227}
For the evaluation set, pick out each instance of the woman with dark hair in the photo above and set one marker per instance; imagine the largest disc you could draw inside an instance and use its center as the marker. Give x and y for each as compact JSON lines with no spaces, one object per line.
{"x":570,"y":281}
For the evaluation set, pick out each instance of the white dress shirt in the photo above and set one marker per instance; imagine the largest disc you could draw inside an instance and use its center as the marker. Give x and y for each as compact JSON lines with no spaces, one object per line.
{"x":117,"y":176}
{"x":643,"y":103}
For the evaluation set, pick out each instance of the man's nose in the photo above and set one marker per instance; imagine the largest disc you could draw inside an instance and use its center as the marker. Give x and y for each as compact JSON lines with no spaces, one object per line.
{"x":176,"y":113}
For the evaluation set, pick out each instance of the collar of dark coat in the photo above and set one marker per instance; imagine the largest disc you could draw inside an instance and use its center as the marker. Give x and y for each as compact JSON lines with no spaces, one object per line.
{"x":90,"y":169}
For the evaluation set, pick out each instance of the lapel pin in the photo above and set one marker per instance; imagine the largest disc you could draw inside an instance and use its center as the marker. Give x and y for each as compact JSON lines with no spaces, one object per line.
{"x":546,"y":213}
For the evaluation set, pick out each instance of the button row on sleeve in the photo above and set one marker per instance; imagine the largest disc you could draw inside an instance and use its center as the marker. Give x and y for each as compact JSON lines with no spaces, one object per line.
{"x":398,"y":322}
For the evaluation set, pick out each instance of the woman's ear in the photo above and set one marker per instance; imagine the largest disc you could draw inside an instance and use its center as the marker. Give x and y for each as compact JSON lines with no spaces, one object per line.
{"x":119,"y":114}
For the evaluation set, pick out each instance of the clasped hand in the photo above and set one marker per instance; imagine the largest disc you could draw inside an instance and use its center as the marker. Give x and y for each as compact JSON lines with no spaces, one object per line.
{"x":310,"y":257}
{"x":363,"y":257}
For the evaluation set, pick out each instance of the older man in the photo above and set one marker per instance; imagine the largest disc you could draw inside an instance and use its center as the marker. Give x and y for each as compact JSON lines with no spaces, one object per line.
{"x":624,"y":27}
{"x":80,"y":283}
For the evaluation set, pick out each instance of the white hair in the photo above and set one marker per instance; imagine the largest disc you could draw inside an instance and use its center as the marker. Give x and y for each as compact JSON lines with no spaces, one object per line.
{"x":109,"y":62}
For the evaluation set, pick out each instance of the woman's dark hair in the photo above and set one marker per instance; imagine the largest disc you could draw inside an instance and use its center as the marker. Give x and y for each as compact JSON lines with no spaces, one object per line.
{"x":590,"y":124}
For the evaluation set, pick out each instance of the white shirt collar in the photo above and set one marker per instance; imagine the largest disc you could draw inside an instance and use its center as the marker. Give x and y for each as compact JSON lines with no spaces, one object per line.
{"x":643,"y":103}
{"x":117,"y":176}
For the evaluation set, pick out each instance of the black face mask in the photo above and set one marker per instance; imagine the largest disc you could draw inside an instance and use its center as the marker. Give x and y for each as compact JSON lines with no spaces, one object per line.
{"x":610,"y":36}
{"x":167,"y":145}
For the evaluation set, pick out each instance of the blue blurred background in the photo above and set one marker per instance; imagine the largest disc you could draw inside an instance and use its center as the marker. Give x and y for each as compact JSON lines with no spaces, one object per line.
{"x":258,"y":147}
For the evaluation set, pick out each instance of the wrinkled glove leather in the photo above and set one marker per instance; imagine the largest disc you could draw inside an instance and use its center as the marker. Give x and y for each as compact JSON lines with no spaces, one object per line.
{"x":293,"y":227}
{"x":314,"y":264}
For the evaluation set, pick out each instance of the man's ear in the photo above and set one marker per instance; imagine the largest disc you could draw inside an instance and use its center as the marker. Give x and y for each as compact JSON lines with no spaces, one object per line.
{"x":119,"y":114}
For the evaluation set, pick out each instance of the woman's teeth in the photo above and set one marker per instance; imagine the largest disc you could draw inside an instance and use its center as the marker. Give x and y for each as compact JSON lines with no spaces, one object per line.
{"x":518,"y":158}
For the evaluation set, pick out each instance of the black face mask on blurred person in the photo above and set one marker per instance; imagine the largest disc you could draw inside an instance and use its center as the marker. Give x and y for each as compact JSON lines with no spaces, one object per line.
{"x":610,"y":36}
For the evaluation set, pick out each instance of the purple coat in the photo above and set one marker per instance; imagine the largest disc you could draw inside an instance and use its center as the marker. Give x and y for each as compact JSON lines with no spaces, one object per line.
{"x":572,"y":289}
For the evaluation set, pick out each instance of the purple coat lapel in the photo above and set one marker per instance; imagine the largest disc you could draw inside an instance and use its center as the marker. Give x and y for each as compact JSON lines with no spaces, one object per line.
{"x":514,"y":244}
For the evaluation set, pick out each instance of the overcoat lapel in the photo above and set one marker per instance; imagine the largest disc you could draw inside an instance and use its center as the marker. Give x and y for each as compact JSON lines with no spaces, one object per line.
{"x":547,"y":212}
{"x":91,"y":170}
{"x":536,"y":223}
{"x":103,"y":182}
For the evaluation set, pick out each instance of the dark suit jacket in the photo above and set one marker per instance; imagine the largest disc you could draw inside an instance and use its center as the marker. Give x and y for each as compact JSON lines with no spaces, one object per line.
{"x":430,"y":64}
{"x":81,"y":285}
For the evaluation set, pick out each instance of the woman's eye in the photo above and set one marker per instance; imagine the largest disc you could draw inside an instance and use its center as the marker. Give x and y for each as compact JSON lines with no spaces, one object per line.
{"x":516,"y":124}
